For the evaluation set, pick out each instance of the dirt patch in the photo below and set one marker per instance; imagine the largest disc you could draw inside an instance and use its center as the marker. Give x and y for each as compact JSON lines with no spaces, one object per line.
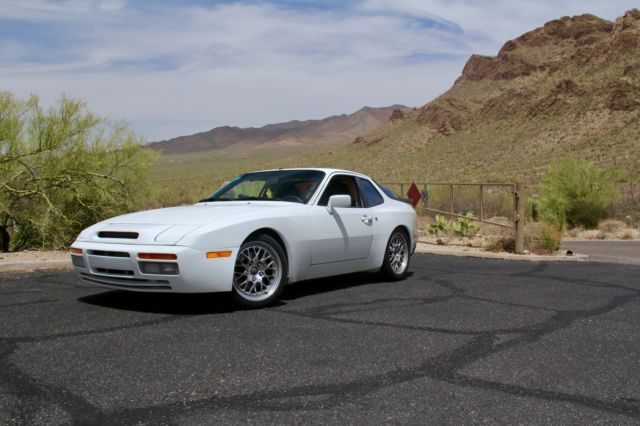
{"x":424,"y":247}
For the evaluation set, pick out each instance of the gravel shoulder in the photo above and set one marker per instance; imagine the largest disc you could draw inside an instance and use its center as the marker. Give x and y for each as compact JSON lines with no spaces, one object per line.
{"x":25,"y":261}
{"x":479,"y":252}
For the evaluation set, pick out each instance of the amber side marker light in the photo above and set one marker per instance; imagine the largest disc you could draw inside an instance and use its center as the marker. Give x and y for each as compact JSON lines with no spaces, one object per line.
{"x":75,"y":250}
{"x":157,"y":256}
{"x":217,"y":254}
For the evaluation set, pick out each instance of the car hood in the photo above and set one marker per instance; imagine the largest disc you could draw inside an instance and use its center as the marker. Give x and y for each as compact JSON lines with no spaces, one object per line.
{"x":195,"y":215}
{"x":169,"y":225}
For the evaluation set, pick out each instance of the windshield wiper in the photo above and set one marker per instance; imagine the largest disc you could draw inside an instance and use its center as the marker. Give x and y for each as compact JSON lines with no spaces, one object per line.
{"x":247,"y":198}
{"x":256,"y":199}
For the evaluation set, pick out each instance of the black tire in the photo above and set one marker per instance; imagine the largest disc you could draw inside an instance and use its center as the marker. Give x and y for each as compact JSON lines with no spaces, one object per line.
{"x":256,"y":282}
{"x":397,"y":256}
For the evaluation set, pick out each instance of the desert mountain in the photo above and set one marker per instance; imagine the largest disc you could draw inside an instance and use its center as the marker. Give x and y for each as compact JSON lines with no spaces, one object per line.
{"x":332,"y":130}
{"x":571,"y":87}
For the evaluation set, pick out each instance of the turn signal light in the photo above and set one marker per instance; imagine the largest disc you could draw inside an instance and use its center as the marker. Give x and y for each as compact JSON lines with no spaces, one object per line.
{"x":157,"y":256}
{"x":75,"y":250}
{"x":217,"y":254}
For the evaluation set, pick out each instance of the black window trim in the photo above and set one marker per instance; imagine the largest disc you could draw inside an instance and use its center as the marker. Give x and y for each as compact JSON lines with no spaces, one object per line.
{"x":363,"y":194}
{"x":328,"y":182}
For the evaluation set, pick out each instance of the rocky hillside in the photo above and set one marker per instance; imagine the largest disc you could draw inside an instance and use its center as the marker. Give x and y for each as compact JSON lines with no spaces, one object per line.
{"x":571,"y":87}
{"x":332,"y":130}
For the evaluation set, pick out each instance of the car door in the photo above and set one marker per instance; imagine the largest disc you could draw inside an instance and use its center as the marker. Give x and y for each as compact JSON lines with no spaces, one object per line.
{"x":346,"y":233}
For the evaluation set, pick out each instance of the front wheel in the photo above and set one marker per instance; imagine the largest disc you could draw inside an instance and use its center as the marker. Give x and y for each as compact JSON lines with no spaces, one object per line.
{"x":260,"y":272}
{"x":396,"y":257}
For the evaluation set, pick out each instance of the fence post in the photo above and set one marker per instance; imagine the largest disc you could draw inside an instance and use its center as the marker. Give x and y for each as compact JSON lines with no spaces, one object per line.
{"x":481,"y":202}
{"x":520,"y":214}
{"x":451,"y":199}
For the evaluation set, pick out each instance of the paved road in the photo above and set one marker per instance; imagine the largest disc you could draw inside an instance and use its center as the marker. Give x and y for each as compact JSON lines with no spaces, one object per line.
{"x":627,"y":252}
{"x":462,"y":341}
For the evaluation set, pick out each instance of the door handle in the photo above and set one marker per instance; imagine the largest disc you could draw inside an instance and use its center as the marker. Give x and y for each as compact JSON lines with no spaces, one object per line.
{"x":367,"y":220}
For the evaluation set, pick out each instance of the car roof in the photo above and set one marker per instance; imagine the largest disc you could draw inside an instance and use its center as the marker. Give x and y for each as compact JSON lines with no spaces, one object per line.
{"x":328,"y":171}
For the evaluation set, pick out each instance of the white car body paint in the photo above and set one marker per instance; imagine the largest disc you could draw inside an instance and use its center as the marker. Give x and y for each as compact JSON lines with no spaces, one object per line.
{"x":318,"y":243}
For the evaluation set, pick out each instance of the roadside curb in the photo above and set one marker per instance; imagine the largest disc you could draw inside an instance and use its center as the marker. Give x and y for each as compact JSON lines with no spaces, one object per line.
{"x":426,"y":248}
{"x":28,"y":266}
{"x":474,"y":252}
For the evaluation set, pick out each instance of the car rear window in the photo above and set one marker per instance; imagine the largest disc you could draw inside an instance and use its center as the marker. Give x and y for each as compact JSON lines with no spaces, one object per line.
{"x":389,"y":193}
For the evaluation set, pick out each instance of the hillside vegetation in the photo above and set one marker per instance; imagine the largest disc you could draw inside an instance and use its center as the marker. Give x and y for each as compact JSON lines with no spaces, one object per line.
{"x":570,"y":88}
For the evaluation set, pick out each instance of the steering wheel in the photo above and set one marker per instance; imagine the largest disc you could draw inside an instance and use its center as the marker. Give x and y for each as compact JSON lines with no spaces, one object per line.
{"x":292,"y":198}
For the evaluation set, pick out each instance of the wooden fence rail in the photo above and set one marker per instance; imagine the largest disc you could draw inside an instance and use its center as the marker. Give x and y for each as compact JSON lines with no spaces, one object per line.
{"x":517,"y":191}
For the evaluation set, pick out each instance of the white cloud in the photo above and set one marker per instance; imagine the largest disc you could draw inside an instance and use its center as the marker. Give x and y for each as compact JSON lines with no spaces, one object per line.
{"x":111,"y":4}
{"x":489,"y":24}
{"x":48,"y":10}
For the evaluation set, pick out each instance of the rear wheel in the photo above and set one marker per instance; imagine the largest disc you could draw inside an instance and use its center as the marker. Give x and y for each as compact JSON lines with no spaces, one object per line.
{"x":260,"y":272}
{"x":396,"y":257}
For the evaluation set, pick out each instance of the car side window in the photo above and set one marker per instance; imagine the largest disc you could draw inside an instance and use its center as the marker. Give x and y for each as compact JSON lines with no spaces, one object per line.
{"x":342,"y":185}
{"x":371,"y":195}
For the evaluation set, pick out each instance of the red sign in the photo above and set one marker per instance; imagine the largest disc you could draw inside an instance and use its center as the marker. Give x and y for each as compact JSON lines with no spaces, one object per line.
{"x":414,"y":194}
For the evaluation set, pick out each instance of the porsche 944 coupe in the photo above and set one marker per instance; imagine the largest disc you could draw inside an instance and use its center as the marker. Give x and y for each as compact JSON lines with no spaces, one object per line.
{"x":254,"y":235}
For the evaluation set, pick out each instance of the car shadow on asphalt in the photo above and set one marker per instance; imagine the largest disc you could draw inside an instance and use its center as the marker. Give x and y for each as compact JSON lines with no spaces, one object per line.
{"x":163,"y":303}
{"x":219,"y":303}
{"x":324,"y":285}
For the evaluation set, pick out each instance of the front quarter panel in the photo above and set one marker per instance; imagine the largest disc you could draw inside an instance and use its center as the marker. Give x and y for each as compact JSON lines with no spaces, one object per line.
{"x":290,"y":223}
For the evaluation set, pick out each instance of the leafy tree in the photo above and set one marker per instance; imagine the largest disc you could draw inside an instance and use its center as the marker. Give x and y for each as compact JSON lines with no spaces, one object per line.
{"x":577,"y":193}
{"x":62,"y":169}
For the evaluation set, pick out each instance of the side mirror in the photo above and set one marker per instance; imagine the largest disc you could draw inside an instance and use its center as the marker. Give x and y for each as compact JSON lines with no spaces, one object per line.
{"x":338,"y":201}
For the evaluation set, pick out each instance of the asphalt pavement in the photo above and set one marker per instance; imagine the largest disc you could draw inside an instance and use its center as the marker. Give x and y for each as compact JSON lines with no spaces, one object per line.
{"x":462,"y":341}
{"x":610,"y":251}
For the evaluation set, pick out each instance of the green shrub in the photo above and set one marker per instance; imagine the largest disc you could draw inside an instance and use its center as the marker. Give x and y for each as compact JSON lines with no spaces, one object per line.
{"x":464,"y":227}
{"x":577,"y":193}
{"x":62,"y":169}
{"x":533,"y":209}
{"x":550,"y":239}
{"x":441,"y":225}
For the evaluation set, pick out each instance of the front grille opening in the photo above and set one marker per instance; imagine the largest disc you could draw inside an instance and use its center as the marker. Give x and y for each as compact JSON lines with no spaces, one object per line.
{"x":109,"y":253}
{"x":118,"y":234}
{"x":159,"y":268}
{"x":114,"y":271}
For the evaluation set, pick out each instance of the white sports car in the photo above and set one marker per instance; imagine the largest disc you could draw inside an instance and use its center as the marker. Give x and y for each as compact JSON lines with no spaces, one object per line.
{"x":257,"y":233}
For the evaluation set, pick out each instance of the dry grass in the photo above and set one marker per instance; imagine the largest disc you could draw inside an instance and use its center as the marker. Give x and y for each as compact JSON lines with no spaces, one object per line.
{"x":501,"y":244}
{"x":607,"y":230}
{"x":487,"y":235}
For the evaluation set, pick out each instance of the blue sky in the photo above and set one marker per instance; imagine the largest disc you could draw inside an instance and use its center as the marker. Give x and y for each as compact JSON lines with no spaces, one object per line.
{"x":177,"y":67}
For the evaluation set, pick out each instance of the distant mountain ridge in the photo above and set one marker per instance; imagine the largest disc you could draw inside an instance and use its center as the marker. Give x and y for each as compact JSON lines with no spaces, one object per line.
{"x":331,"y":130}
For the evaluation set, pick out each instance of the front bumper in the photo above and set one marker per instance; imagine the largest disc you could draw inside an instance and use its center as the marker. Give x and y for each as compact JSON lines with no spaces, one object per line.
{"x":117,"y":266}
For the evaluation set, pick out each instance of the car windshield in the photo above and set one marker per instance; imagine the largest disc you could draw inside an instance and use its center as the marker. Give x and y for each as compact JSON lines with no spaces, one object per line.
{"x":296,"y":186}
